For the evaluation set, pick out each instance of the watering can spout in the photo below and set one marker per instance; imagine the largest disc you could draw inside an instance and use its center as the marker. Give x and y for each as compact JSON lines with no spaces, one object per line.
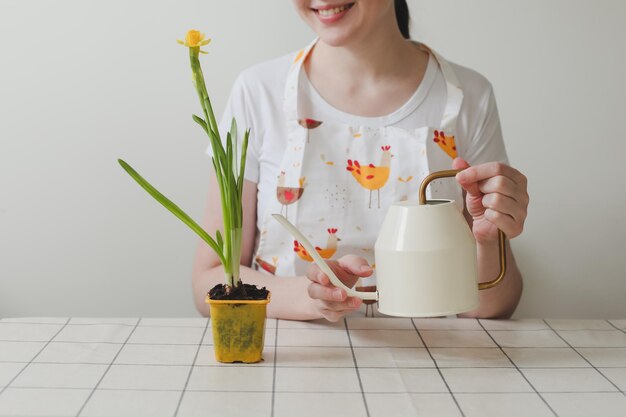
{"x":321,"y":263}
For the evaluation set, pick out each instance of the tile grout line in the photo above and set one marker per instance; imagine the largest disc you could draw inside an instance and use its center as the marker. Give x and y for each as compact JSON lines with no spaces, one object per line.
{"x":356,"y":367}
{"x":305,"y":392}
{"x":10,"y":323}
{"x":518,"y":369}
{"x":163,"y":365}
{"x":195,"y":358}
{"x":107,"y":369}
{"x":274,"y":370}
{"x":316,"y":328}
{"x":33,"y":358}
{"x":458,"y":406}
{"x":623,"y":331}
{"x":287,"y":346}
{"x":611,"y":324}
{"x":585,"y":359}
{"x":109,"y":343}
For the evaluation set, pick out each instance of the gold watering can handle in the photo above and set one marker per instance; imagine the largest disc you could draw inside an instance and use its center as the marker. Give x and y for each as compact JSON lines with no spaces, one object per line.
{"x":501,"y":246}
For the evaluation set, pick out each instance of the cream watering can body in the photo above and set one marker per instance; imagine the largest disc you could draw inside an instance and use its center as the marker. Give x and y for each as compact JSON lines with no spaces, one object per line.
{"x":425,"y":259}
{"x":434,"y":242}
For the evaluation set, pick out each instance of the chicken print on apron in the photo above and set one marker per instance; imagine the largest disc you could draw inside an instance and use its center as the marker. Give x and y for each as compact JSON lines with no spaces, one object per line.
{"x":336,"y":181}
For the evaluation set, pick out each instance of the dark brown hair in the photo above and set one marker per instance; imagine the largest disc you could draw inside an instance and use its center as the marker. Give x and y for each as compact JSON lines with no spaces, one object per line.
{"x":402,"y":17}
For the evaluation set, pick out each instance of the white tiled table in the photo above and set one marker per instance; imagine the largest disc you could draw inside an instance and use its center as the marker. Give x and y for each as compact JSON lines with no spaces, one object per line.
{"x":361,"y":366}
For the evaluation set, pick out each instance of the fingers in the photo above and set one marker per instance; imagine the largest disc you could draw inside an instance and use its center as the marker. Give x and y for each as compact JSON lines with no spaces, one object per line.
{"x":333,"y":302}
{"x":503,"y":204}
{"x":506,"y":201}
{"x":315,"y":274}
{"x":334,"y":312}
{"x":350,"y":304}
{"x":459,"y":163}
{"x":471,"y":187}
{"x":496,"y":192}
{"x":348,"y":269}
{"x":356,"y":265}
{"x":493,"y":183}
{"x":326,"y":293}
{"x":511,"y":227}
{"x":491,"y":169}
{"x":351,"y":268}
{"x":495,"y":178}
{"x":501,"y":185}
{"x":335,"y":315}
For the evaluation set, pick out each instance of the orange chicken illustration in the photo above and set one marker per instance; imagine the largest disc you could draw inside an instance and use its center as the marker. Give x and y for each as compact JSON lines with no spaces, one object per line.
{"x":331,"y":247}
{"x":446,"y":143}
{"x":288,"y":195}
{"x":372,"y":177}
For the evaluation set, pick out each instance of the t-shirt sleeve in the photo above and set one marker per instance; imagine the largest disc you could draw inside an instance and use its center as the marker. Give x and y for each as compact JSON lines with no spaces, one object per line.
{"x":237,"y":108}
{"x":486,"y":142}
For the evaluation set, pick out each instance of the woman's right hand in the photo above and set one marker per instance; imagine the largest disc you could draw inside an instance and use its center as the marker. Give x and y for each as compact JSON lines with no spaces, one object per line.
{"x":332,"y":302}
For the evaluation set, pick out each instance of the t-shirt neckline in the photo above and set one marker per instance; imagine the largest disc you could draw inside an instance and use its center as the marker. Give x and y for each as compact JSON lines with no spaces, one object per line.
{"x":416,"y":99}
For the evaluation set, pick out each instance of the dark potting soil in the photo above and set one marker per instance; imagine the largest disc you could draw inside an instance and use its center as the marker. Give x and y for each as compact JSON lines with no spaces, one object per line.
{"x":242,"y":292}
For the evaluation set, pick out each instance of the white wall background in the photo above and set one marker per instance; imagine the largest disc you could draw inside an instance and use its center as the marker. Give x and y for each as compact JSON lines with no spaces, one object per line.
{"x":85,"y":82}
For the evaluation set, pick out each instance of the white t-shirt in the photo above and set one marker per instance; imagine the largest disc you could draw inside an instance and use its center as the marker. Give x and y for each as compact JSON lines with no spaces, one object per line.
{"x":256,"y":102}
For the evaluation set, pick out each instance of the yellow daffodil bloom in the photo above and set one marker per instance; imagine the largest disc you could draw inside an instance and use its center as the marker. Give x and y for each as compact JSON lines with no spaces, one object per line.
{"x":194,"y":39}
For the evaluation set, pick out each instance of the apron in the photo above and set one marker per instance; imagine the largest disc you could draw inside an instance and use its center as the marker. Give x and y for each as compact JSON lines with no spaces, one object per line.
{"x":336,"y":181}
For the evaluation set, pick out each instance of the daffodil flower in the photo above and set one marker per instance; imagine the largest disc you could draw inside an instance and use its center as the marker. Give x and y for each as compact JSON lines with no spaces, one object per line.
{"x":229,"y":167}
{"x":195,"y":39}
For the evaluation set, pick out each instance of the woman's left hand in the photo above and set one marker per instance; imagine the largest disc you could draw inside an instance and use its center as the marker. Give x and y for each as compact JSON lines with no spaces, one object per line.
{"x":497,"y":198}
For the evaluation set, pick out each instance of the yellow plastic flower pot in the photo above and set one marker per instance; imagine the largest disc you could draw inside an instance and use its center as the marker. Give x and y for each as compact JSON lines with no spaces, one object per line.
{"x":238,"y":329}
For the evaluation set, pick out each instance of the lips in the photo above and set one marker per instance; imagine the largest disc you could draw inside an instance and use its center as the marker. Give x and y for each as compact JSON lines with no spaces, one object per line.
{"x":332,"y":12}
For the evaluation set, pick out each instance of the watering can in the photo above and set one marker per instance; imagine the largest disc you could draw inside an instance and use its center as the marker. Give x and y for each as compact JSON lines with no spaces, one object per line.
{"x":425,"y":258}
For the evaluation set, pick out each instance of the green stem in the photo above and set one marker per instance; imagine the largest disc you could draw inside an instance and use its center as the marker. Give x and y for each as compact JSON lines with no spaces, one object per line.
{"x":228,"y":179}
{"x":237,"y":241}
{"x":205,"y":101}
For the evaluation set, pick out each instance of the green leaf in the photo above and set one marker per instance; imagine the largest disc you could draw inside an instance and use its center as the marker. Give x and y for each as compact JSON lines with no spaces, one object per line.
{"x":220,"y":240}
{"x":201,"y":122}
{"x":233,"y":134}
{"x":173,"y":208}
{"x":214,"y":161}
{"x":209,"y":110}
{"x":230,"y":190}
{"x":218,"y":149}
{"x":229,"y":153}
{"x":242,"y":167}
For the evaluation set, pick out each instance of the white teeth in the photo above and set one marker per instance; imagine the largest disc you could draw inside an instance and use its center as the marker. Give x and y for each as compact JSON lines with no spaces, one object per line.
{"x":331,"y":12}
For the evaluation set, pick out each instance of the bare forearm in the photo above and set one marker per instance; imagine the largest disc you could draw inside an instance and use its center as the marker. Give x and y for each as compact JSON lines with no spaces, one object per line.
{"x":290,"y":299}
{"x":501,"y":300}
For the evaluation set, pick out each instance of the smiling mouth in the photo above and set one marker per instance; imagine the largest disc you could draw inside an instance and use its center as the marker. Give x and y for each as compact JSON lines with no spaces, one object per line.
{"x":332,"y":11}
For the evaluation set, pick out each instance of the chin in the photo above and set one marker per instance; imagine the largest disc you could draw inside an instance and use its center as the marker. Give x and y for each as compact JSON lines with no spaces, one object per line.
{"x":335,"y":39}
{"x":339,"y":36}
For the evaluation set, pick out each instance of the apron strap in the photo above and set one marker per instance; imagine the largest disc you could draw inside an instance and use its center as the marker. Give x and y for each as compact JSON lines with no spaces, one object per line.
{"x":454,"y":92}
{"x":290,"y":96}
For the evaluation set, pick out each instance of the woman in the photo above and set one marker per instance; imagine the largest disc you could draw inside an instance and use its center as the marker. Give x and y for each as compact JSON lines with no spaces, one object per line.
{"x":345,"y":127}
